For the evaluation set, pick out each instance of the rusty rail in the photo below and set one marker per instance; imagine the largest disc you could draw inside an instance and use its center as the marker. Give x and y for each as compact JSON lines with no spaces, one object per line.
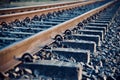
{"x":31,"y":14}
{"x":36,"y":7}
{"x":34,"y":43}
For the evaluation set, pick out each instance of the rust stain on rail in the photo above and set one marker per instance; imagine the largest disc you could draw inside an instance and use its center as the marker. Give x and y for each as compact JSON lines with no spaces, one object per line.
{"x":36,"y":7}
{"x":12,"y":17}
{"x":33,"y":43}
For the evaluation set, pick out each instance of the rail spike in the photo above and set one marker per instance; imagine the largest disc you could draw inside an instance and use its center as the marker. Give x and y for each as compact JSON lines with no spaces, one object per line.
{"x":58,"y":38}
{"x":84,"y":51}
{"x":4,"y":25}
{"x":27,"y":57}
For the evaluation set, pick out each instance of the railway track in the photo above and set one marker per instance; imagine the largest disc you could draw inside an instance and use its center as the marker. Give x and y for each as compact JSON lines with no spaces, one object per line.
{"x":11,"y":17}
{"x":32,"y":8}
{"x":63,"y":45}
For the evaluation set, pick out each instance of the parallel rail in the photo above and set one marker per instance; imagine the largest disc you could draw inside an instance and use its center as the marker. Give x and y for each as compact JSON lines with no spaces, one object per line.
{"x":31,"y":8}
{"x":34,"y":43}
{"x":12,"y":17}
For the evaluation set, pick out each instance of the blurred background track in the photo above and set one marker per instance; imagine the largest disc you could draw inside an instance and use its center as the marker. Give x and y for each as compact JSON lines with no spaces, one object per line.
{"x":19,"y":3}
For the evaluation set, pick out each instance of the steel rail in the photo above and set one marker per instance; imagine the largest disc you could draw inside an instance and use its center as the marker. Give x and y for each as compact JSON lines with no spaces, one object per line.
{"x":34,"y":43}
{"x":35,"y":7}
{"x":12,"y":17}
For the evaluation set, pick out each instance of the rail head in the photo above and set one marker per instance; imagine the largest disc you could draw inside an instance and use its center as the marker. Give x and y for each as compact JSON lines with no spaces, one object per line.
{"x":35,"y":6}
{"x":12,"y":17}
{"x":34,"y":43}
{"x":5,"y":11}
